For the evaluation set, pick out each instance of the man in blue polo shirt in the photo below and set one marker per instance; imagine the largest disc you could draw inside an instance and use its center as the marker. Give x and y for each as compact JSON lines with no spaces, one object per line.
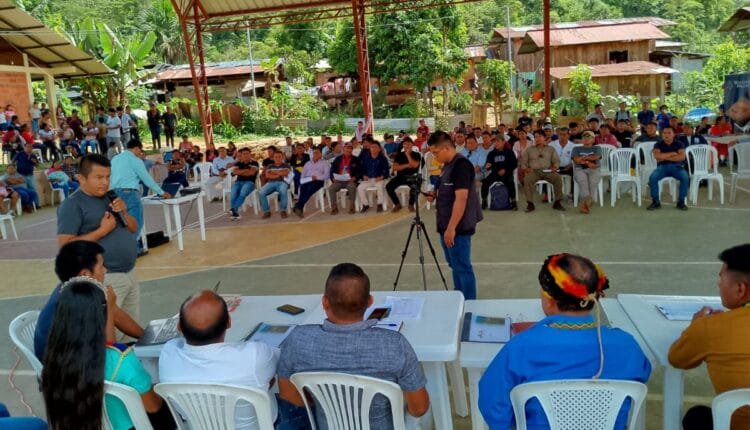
{"x":25,"y":162}
{"x":670,"y":159}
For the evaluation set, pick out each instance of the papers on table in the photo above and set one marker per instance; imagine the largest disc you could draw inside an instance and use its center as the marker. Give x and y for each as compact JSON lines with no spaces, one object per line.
{"x":478,"y":328}
{"x":684,"y":311}
{"x":343,"y":177}
{"x":404,"y":308}
{"x":233,"y":301}
{"x":270,"y":334}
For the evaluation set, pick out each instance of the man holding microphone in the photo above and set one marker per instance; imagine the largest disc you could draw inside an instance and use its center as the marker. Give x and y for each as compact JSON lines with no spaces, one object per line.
{"x":458,"y":211}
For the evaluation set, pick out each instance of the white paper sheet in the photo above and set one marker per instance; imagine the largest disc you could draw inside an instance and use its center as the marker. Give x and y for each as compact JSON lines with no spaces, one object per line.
{"x":304,"y":180}
{"x":271,"y":334}
{"x":343,"y":177}
{"x":404,"y":308}
{"x":684,"y":311}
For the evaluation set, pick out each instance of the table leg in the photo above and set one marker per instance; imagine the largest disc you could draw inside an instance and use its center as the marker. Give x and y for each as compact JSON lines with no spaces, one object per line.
{"x":178,"y":226}
{"x":167,"y":220}
{"x":437,"y":387}
{"x":477,"y":422}
{"x":673,"y":389}
{"x":456,"y":375}
{"x":143,"y":234}
{"x":201,"y":218}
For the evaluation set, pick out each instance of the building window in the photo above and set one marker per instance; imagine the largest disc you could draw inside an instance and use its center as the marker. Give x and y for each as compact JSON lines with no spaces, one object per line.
{"x":616,"y":57}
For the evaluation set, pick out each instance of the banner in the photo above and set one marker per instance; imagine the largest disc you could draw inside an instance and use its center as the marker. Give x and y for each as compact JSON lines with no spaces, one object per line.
{"x":737,"y":101}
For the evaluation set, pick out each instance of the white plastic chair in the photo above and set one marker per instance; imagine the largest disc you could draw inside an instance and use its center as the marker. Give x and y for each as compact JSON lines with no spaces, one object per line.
{"x":345,"y":399}
{"x":703,"y":162}
{"x":579,"y":403}
{"x":60,"y":193}
{"x":725,"y":404}
{"x":550,"y":190}
{"x":212,"y":406}
{"x":3,"y":231}
{"x":133,"y":404}
{"x":226,"y":188}
{"x":741,"y":154}
{"x":371,"y":200}
{"x":604,"y":168}
{"x":403,"y":195}
{"x":646,"y":153}
{"x":620,"y":161}
{"x":252,"y":198}
{"x":202,"y":174}
{"x":21,"y":332}
{"x":18,"y":209}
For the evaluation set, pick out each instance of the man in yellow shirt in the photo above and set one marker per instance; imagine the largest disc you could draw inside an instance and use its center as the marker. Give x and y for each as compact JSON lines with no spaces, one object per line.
{"x":720,"y":339}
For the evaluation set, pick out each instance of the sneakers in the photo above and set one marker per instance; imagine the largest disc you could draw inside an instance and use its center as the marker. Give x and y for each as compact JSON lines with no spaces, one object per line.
{"x":364,"y":209}
{"x":298,"y":212}
{"x":266,"y":215}
{"x":558,"y":206}
{"x":395,"y":208}
{"x":234,"y":215}
{"x":530,"y":207}
{"x":380,"y":209}
{"x":334,"y":210}
{"x":653,"y":206}
{"x":682,"y":206}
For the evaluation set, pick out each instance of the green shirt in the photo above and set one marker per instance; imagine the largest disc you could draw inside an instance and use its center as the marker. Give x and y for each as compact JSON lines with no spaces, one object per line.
{"x":124,"y":368}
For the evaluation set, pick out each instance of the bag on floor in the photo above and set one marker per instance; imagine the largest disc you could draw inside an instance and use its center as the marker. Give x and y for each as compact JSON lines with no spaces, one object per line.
{"x":499,"y":197}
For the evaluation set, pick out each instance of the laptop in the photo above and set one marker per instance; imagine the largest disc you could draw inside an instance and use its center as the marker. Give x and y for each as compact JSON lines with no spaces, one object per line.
{"x":172,"y":188}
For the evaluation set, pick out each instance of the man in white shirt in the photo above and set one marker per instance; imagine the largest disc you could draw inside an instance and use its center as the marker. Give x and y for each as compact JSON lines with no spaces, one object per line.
{"x":564,"y":148}
{"x":113,"y":130}
{"x":204,"y":356}
{"x":126,"y":123}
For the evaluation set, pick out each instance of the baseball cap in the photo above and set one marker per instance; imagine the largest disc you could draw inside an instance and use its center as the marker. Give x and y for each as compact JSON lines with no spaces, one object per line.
{"x":588,"y":134}
{"x":548,"y":127}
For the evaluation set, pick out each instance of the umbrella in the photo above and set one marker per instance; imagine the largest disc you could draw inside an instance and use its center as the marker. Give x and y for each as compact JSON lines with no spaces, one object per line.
{"x":695,"y":115}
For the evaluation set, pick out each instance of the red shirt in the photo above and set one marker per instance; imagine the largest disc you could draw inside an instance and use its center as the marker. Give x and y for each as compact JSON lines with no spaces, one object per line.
{"x":418,"y":142}
{"x":28,"y":137}
{"x":719,"y":130}
{"x":423,"y":130}
{"x":610,"y":139}
{"x":346,"y":161}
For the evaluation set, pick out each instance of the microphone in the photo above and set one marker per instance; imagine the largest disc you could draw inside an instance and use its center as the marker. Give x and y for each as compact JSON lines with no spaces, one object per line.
{"x":111,"y":196}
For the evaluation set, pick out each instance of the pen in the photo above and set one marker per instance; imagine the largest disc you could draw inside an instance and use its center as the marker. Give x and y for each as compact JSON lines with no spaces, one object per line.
{"x":389,"y":325}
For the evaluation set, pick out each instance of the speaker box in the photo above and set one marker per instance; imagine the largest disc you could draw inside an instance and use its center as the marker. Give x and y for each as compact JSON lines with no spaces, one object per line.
{"x":156,"y":238}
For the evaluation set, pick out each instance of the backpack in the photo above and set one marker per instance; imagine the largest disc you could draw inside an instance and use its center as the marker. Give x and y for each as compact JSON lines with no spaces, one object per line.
{"x":499,"y":197}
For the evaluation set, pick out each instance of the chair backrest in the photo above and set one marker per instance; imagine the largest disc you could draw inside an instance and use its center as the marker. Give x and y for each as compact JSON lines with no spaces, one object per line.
{"x":133,"y":404}
{"x":579,"y":403}
{"x":621,"y":160}
{"x":725,"y":404}
{"x":702,"y":158}
{"x":741,"y":154}
{"x":646,"y":150}
{"x":345,"y":399}
{"x":228,"y":179}
{"x":202,"y":171}
{"x":21,"y":332}
{"x":606,"y":149}
{"x":212,"y":406}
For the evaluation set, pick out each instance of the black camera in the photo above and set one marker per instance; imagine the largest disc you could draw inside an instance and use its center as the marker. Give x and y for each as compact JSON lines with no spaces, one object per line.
{"x":414,"y":181}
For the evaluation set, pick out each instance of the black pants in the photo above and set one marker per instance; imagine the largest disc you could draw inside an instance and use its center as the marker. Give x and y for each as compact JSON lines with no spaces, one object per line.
{"x":306,"y":191}
{"x":169,"y":136}
{"x":506,"y":179}
{"x":394,"y":183}
{"x":698,"y":418}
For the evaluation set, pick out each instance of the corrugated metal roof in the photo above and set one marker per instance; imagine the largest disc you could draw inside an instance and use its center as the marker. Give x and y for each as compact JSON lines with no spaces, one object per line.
{"x":214,"y":8}
{"x":737,"y":22}
{"x":620,"y":69}
{"x":534,"y":40}
{"x":501,"y":33}
{"x":213,"y":70}
{"x":44,"y":46}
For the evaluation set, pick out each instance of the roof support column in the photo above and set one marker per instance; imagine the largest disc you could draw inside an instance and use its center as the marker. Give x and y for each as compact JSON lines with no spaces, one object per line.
{"x":195,"y":54}
{"x":547,"y":81}
{"x":49,"y":83}
{"x":363,"y":59}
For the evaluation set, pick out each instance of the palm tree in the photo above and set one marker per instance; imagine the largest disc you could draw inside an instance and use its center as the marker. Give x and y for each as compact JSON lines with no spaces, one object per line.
{"x":162,"y":20}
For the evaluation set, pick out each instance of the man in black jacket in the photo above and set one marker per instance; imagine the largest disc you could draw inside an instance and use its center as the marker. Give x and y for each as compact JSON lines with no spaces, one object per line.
{"x":501,"y":162}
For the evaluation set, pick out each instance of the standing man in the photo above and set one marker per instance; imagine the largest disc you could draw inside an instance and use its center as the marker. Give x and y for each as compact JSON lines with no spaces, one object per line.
{"x":458,"y":211}
{"x":125,"y":124}
{"x":89,"y":215}
{"x":36,"y":115}
{"x":170,"y":122}
{"x":75,"y":124}
{"x":128,"y":171}
{"x":154,"y":119}
{"x":25,"y":162}
{"x":114,"y":125}
{"x":646,"y":116}
{"x":720,"y":339}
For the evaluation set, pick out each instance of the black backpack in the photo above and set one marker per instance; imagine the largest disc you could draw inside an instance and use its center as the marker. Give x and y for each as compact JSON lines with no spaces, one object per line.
{"x":499,"y":197}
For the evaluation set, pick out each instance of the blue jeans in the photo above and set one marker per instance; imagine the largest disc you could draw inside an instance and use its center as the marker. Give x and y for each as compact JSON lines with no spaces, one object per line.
{"x":291,"y":417}
{"x":31,"y":186}
{"x":669,"y":171}
{"x":67,"y":187}
{"x":240,"y":191}
{"x":27,"y":423}
{"x":89,"y":143}
{"x":132,"y":199}
{"x":459,"y":260}
{"x":271,"y":187}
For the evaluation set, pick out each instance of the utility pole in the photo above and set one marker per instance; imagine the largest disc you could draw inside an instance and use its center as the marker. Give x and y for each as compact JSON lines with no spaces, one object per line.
{"x":510,"y":61}
{"x":547,"y":82}
{"x":252,"y":67}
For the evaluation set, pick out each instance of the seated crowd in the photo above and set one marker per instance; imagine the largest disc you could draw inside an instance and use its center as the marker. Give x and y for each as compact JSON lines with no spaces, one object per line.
{"x":75,"y":338}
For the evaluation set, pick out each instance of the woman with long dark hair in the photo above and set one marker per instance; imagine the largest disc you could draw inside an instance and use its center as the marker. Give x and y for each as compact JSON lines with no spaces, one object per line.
{"x":81,"y":354}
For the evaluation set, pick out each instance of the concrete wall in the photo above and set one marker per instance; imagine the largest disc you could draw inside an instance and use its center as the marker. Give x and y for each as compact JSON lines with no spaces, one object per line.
{"x":14,"y":90}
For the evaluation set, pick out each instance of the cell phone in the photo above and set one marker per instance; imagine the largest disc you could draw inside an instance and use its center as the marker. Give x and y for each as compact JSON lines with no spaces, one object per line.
{"x":290,"y":309}
{"x":379,"y":313}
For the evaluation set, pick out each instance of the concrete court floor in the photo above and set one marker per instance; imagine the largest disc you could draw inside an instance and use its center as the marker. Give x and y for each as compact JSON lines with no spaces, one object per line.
{"x":664,"y":252}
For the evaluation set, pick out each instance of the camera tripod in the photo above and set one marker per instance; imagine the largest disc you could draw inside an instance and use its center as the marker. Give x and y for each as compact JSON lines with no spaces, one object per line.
{"x":418,"y":225}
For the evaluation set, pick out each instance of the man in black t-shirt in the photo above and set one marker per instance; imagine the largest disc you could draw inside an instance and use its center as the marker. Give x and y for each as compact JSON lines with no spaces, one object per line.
{"x":458,"y":211}
{"x":246,"y":171}
{"x":622,"y":134}
{"x":405,"y":164}
{"x":670,"y":163}
{"x":297,"y":162}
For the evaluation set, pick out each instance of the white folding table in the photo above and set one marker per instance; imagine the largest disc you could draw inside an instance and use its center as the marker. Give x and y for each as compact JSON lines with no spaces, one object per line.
{"x":659,"y":334}
{"x":476,"y":356}
{"x":175,"y":204}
